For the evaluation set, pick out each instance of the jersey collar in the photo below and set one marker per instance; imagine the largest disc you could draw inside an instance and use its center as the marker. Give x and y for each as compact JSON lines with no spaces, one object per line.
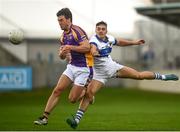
{"x":105,"y":40}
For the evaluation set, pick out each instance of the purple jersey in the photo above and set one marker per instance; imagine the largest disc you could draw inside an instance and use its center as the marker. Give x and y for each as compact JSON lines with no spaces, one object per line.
{"x":74,"y":37}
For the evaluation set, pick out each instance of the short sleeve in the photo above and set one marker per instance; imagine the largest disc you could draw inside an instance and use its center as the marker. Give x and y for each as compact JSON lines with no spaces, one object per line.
{"x":79,"y":34}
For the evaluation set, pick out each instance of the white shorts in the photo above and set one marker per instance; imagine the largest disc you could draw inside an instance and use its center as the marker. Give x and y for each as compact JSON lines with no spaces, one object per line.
{"x":79,"y":75}
{"x":107,"y":70}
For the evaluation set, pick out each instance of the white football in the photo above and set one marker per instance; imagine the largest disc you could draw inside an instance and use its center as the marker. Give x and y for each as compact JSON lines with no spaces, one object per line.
{"x":16,"y":36}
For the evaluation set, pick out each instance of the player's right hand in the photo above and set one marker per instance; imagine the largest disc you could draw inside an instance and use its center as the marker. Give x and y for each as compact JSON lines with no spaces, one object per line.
{"x":96,"y":54}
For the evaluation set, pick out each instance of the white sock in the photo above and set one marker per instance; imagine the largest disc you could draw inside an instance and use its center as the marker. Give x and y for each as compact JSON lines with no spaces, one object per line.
{"x":79,"y":115}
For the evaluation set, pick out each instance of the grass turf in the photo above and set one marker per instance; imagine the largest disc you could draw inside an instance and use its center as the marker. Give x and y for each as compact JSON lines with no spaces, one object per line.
{"x":114,"y":109}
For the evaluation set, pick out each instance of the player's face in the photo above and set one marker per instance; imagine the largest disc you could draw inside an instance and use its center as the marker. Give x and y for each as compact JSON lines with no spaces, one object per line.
{"x":64,"y":23}
{"x":101,"y":31}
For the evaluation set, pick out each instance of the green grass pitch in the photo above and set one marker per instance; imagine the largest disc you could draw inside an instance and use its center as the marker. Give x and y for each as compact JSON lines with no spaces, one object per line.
{"x":114,"y":109}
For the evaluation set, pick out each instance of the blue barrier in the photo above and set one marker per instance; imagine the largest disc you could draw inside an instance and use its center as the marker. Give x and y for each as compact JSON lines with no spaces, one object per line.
{"x":12,"y":78}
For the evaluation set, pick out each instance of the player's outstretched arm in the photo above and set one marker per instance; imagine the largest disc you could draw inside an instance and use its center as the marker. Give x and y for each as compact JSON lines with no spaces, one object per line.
{"x":124,"y":42}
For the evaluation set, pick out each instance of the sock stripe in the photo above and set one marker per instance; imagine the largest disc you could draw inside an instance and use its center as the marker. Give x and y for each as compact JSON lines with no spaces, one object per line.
{"x":158,"y":76}
{"x":79,"y":115}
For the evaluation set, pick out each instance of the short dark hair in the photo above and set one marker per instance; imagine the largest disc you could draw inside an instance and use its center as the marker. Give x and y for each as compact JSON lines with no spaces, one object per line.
{"x":101,"y":23}
{"x":65,"y":12}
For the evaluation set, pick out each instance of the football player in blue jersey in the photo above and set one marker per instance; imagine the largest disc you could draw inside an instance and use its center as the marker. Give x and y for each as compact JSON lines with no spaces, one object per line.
{"x":105,"y":67}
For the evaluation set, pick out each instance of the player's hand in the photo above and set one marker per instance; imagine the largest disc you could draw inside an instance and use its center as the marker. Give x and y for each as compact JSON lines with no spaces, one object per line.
{"x":66,"y":49}
{"x":139,"y":42}
{"x":96,"y":54}
{"x":62,"y":53}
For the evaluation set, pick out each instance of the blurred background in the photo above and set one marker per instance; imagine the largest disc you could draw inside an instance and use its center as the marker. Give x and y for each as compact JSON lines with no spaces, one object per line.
{"x":156,"y":21}
{"x":29,"y":71}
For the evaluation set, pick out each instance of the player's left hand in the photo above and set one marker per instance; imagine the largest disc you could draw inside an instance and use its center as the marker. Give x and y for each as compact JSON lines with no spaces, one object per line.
{"x":139,"y":42}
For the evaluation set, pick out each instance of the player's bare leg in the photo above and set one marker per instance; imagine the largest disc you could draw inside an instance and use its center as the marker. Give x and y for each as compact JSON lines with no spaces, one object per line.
{"x":76,"y":93}
{"x":127,"y":72}
{"x":93,"y":87}
{"x":82,"y":96}
{"x":62,"y":84}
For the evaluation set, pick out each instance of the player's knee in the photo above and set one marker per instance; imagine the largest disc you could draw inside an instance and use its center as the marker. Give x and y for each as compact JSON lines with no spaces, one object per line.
{"x":72,"y":100}
{"x":139,"y":76}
